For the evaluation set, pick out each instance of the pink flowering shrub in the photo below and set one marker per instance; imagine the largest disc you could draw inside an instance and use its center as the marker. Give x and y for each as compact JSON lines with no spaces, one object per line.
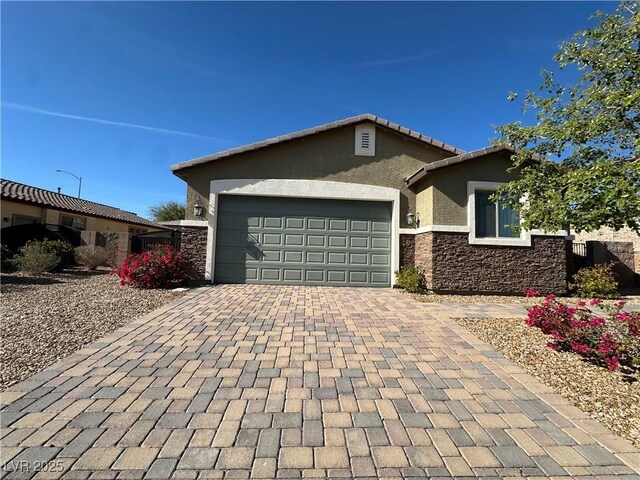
{"x":611,"y":337}
{"x":161,"y":267}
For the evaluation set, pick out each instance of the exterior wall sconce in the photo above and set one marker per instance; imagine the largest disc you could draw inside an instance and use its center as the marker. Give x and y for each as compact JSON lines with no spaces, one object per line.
{"x":198,"y":210}
{"x":412,"y":218}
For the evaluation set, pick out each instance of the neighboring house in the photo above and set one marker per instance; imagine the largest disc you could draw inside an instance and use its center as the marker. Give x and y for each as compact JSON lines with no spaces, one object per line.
{"x":349,"y":202}
{"x":25,"y":204}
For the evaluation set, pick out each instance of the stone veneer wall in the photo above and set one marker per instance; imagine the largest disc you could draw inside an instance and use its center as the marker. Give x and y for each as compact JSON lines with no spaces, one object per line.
{"x":451,"y":264}
{"x":194,"y":248}
{"x":407,"y":250}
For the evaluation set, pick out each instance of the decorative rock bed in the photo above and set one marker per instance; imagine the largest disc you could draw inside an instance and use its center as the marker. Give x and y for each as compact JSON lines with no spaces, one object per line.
{"x":613,"y":398}
{"x":47,"y":318}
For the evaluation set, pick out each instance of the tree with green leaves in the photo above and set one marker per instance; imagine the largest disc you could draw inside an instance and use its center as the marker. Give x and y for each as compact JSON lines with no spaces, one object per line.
{"x":166,"y":211}
{"x":588,"y":133}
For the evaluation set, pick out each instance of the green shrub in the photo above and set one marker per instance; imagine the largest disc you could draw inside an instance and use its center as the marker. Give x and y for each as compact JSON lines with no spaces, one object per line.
{"x":595,"y":282}
{"x":92,"y":257}
{"x":63,"y":250}
{"x":410,"y":278}
{"x":36,"y":258}
{"x":6,"y":258}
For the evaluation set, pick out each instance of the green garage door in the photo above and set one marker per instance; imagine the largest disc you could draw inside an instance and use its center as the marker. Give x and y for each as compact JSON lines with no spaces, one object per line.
{"x":303,"y":241}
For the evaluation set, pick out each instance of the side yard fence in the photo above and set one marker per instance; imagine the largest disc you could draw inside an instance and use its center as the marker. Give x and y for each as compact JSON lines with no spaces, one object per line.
{"x":142,"y":243}
{"x":619,"y":254}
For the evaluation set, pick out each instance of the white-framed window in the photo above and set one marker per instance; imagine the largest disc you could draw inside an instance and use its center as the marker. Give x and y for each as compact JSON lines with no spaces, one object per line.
{"x":491,"y":222}
{"x":69,"y":221}
{"x":365,"y":140}
{"x":494,"y":219}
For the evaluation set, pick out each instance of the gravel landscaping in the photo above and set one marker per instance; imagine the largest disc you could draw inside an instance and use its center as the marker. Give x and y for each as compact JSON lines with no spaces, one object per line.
{"x":613,"y":398}
{"x":47,"y":318}
{"x":521,"y":299}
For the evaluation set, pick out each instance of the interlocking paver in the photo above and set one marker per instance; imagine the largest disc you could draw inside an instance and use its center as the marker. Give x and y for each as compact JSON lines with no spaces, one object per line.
{"x":296,"y":457}
{"x":249,"y":381}
{"x":136,"y":458}
{"x":198,"y":458}
{"x":97,"y":458}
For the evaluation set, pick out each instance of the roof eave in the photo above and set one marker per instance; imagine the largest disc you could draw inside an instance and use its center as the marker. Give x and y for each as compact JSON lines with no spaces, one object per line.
{"x":459,"y":159}
{"x":86,"y":214}
{"x":367,"y":117}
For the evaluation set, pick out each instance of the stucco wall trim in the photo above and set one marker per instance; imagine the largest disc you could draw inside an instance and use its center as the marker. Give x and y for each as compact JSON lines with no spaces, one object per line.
{"x":435,"y":228}
{"x":319,"y":189}
{"x":191,"y":223}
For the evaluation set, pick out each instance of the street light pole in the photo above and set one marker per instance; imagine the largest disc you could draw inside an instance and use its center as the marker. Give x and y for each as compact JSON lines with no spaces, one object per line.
{"x":77,"y":177}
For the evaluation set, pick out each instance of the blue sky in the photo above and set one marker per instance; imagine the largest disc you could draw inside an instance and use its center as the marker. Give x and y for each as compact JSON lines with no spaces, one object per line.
{"x":116,"y":92}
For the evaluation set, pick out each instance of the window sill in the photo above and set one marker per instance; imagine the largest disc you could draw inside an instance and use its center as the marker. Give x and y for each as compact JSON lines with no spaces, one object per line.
{"x":502,"y":241}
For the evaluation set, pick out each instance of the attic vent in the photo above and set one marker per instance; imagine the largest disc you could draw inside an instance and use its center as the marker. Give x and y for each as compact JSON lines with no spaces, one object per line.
{"x":365,"y":140}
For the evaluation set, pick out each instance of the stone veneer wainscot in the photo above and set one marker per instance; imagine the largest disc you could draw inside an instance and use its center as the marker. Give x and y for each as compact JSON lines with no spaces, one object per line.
{"x":193,"y":247}
{"x":452,"y":264}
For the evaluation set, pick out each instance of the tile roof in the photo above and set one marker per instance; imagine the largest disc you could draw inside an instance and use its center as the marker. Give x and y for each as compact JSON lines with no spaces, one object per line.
{"x":367,"y":117}
{"x":20,"y":192}
{"x":464,"y":157}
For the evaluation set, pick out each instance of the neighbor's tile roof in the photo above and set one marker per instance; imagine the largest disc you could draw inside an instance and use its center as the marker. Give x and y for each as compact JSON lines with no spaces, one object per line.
{"x":20,"y":192}
{"x":367,"y":117}
{"x":464,"y":157}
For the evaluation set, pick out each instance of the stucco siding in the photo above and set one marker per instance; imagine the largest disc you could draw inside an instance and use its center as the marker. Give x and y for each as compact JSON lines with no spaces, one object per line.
{"x":424,"y":204}
{"x":326,"y":156}
{"x":9,"y":209}
{"x":48,"y":215}
{"x":450,"y":186}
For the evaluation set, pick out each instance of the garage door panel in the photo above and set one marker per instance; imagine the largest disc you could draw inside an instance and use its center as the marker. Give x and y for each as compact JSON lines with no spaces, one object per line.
{"x":292,"y":275}
{"x":359,"y":226}
{"x":337,"y":258}
{"x":303,"y":241}
{"x":358,"y":277}
{"x":337,"y":276}
{"x":316,"y":224}
{"x":359,"y":242}
{"x":337,"y":241}
{"x":379,"y":259}
{"x":381,"y":278}
{"x":316,"y":240}
{"x":291,"y":240}
{"x":270,"y":273}
{"x":315,"y":257}
{"x":273,"y":222}
{"x":338,"y":225}
{"x":380,"y":227}
{"x":272,"y":256}
{"x":294,"y":223}
{"x":314,"y":275}
{"x":380,"y":242}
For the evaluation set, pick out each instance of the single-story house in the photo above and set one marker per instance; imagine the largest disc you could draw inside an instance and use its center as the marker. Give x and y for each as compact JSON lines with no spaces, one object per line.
{"x":22,"y":204}
{"x":347,"y":203}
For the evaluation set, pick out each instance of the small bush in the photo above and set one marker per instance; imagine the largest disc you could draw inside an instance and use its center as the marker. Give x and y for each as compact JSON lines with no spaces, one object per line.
{"x":92,"y":257}
{"x":161,"y":267}
{"x":63,"y":250}
{"x":6,"y":258}
{"x":410,"y":278}
{"x":595,"y":282}
{"x":611,"y":337}
{"x":36,"y":258}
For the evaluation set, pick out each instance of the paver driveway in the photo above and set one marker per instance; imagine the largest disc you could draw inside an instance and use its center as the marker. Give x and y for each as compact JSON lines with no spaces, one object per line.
{"x":290,"y":382}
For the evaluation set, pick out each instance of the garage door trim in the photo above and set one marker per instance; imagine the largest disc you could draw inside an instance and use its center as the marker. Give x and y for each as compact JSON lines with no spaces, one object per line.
{"x":319,"y":189}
